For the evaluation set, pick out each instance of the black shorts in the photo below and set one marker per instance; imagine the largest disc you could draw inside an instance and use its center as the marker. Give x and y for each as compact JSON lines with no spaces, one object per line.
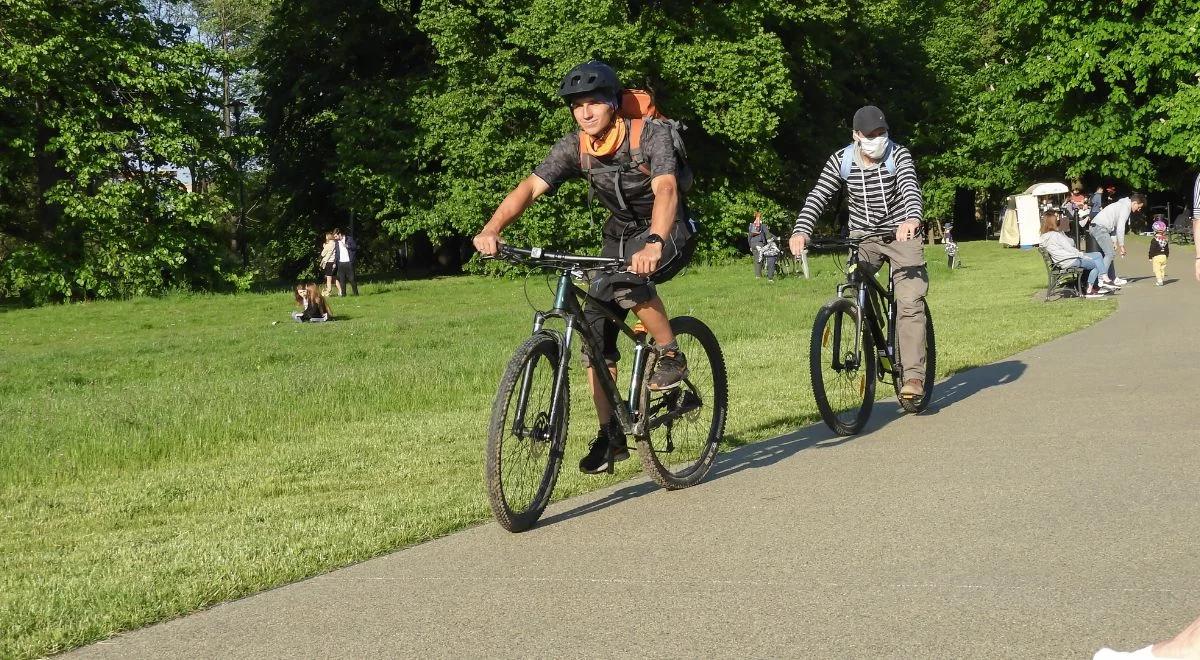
{"x":330,"y":269}
{"x":621,"y":292}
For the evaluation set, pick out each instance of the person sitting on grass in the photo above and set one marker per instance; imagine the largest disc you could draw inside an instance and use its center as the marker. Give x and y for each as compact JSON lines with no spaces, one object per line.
{"x":1063,"y":252}
{"x":313,"y":308}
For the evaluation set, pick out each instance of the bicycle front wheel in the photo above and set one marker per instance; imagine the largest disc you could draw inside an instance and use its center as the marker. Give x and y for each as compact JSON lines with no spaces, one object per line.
{"x":524,"y":449}
{"x":843,"y":379}
{"x":916,"y":405}
{"x":684,"y":425}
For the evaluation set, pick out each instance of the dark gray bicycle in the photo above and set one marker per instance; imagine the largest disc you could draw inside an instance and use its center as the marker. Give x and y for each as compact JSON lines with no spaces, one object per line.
{"x":677,"y":431}
{"x":854,"y":344}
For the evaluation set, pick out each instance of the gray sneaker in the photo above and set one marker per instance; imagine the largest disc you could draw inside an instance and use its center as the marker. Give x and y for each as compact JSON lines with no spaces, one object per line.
{"x":669,"y":372}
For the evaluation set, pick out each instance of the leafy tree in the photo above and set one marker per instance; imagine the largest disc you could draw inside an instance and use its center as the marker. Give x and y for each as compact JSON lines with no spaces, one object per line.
{"x":1085,"y":88}
{"x":490,"y":112}
{"x":98,"y":102}
{"x":333,"y":77}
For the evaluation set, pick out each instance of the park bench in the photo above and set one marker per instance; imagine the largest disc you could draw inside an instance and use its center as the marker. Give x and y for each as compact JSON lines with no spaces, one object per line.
{"x":1060,"y":277}
{"x":1181,"y":231}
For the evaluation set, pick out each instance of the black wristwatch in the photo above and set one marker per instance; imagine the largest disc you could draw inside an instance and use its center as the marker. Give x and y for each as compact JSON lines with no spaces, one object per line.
{"x":654,"y":238}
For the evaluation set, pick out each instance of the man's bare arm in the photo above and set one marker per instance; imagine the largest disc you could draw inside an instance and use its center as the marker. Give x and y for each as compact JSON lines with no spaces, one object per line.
{"x":514,"y":204}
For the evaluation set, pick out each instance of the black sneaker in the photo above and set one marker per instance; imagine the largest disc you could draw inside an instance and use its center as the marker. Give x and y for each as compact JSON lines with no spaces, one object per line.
{"x":669,"y":372}
{"x":604,"y":451}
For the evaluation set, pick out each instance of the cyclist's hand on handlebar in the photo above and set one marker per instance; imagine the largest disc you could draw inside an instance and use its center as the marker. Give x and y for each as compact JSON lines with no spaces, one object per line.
{"x":645,"y":261}
{"x":487,"y":243}
{"x":907,"y":230}
{"x":797,"y":243}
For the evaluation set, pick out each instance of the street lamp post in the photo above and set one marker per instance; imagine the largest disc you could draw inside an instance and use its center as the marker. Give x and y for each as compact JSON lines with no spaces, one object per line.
{"x":236,"y":106}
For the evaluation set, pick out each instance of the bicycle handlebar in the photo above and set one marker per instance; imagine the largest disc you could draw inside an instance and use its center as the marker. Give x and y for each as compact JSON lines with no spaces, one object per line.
{"x":557,"y":260}
{"x":838,"y":244}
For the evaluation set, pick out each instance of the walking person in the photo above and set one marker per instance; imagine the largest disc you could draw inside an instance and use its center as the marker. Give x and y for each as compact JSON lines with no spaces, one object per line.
{"x":1108,"y":229}
{"x":345,"y":251}
{"x":760,"y":246}
{"x":883,"y":194}
{"x":329,"y":265}
{"x":1160,"y":249}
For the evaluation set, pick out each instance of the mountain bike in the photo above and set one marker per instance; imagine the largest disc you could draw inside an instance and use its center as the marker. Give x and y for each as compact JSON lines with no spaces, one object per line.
{"x":854,"y":344}
{"x":677,"y":430}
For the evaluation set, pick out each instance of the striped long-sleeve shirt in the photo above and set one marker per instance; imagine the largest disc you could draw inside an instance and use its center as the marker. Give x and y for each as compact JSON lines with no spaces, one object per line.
{"x":877,"y":198}
{"x":1196,"y":199}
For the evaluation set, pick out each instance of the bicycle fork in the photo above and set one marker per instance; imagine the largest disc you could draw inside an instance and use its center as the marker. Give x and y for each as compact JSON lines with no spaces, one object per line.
{"x":560,"y":376}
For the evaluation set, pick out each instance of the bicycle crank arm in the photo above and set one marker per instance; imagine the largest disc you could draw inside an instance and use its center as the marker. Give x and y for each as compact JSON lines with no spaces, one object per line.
{"x":675,"y":414}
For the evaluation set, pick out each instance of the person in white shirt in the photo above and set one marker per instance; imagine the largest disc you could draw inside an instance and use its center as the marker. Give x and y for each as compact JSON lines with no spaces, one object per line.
{"x":1108,"y":228}
{"x":344,"y":250}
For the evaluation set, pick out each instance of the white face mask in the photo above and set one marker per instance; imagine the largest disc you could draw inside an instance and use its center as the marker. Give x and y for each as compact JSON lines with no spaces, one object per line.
{"x":874,"y":147}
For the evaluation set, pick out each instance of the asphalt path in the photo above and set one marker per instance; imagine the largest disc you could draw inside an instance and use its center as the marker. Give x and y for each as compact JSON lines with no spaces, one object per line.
{"x":1045,"y":506}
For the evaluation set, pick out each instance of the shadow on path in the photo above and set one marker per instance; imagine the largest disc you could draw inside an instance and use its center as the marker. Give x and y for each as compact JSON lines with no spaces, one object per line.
{"x":769,"y":452}
{"x":973,"y":381}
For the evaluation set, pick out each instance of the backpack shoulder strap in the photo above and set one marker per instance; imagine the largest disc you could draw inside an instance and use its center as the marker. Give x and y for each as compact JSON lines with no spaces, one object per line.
{"x":847,"y":161}
{"x":583,"y":159}
{"x":636,"y":127}
{"x":889,"y":160}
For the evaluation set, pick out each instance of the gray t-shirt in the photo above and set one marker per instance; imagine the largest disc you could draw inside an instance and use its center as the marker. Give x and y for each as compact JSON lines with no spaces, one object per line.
{"x":562,"y":164}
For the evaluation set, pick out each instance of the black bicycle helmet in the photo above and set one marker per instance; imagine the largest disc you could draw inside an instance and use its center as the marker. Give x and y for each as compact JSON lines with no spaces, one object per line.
{"x":593,"y":76}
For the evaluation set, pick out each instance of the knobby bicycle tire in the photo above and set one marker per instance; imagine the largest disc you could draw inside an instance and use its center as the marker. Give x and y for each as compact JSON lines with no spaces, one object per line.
{"x":844,"y":397}
{"x":520,"y":472}
{"x":917,"y":405}
{"x":701,"y":403}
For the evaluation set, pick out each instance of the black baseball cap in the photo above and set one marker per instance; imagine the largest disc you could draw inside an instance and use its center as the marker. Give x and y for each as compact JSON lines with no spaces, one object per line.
{"x":869,"y":118}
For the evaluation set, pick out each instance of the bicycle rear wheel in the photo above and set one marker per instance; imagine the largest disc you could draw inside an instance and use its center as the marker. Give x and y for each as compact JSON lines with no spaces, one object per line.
{"x":843,"y":380}
{"x":524,"y":453}
{"x":684,"y":425}
{"x":916,"y":405}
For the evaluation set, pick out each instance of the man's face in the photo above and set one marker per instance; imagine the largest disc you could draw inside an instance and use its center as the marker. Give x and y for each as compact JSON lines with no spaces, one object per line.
{"x":593,"y":115}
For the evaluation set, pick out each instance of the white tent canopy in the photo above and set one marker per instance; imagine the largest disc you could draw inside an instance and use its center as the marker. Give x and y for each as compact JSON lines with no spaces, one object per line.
{"x":1049,"y":188}
{"x":1022,"y":222}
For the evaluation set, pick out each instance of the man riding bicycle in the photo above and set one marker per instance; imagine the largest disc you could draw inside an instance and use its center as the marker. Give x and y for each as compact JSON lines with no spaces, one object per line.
{"x":648,"y":228}
{"x":883,"y":194}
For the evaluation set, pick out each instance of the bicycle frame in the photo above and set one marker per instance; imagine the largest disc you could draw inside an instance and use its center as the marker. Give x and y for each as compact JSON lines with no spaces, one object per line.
{"x":568,"y":308}
{"x":869,"y":295}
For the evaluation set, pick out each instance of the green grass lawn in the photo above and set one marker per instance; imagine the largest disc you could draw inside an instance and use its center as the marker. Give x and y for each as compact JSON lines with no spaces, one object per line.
{"x":162,"y":455}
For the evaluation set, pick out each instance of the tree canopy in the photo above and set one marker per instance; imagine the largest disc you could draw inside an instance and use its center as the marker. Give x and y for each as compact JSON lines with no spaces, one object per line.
{"x":407,"y":122}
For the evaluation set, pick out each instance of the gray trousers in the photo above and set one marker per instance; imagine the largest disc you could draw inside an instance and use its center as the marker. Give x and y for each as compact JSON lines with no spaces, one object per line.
{"x":770,"y":263}
{"x":911,"y":281}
